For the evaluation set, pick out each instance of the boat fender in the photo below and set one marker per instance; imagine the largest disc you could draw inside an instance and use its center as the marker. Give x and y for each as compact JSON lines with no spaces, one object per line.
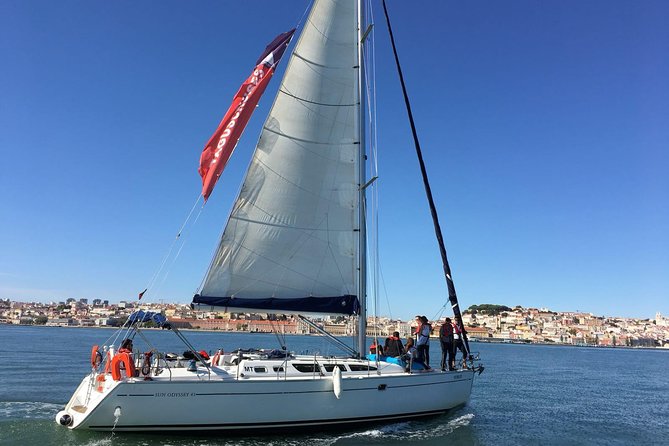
{"x":216,"y":358}
{"x":110,"y":355}
{"x":63,"y":418}
{"x":101,"y":383}
{"x":96,"y":357}
{"x":126,"y":360}
{"x":336,"y":382}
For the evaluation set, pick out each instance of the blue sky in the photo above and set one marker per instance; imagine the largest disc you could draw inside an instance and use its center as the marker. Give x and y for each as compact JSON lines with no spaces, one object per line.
{"x":545,"y":127}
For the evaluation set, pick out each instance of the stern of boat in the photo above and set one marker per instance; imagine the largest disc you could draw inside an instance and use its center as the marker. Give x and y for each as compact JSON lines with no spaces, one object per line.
{"x":91,"y":392}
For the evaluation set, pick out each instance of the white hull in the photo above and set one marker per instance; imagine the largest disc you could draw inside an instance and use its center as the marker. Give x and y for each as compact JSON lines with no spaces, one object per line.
{"x":223,"y":401}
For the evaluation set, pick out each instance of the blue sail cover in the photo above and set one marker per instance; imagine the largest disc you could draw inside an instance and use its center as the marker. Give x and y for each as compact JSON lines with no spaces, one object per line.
{"x":332,"y":305}
{"x":146,"y":316}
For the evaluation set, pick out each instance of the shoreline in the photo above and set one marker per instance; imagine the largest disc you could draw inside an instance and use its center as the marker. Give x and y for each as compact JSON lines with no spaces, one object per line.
{"x":472,"y":341}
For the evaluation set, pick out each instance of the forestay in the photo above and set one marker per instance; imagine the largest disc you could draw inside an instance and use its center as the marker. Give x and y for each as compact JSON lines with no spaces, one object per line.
{"x":291,"y":241}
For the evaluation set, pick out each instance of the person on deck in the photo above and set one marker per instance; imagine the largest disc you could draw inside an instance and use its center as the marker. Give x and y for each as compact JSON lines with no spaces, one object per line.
{"x":411,"y":355}
{"x":447,"y":345}
{"x":375,"y":349}
{"x":393,"y":346}
{"x":416,"y":333}
{"x":423,"y":343}
{"x":126,"y":346}
{"x":458,"y":333}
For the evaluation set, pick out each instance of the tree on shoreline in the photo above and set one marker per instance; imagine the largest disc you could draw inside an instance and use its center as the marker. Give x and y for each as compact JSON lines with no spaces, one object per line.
{"x":490,"y":309}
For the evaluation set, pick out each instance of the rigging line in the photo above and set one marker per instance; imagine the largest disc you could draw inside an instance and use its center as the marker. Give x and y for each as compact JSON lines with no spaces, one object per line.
{"x":114,"y":335}
{"x":109,"y":338}
{"x":385,"y":292}
{"x":371,"y":99}
{"x":169,"y":251}
{"x":452,"y":295}
{"x":145,"y":339}
{"x":439,"y":313}
{"x":334,"y":259}
{"x":304,"y":14}
{"x":127,"y":327}
{"x":176,"y":256}
{"x":359,"y":129}
{"x":281,"y":340}
{"x":329,"y":337}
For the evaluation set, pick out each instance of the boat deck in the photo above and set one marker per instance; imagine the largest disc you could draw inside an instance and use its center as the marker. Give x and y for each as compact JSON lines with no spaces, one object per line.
{"x":259,"y":367}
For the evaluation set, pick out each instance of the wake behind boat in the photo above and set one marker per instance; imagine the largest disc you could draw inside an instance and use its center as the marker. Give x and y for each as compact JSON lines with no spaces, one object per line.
{"x":295,"y":243}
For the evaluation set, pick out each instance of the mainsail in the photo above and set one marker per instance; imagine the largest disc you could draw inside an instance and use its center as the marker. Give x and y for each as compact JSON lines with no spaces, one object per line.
{"x":291,"y":241}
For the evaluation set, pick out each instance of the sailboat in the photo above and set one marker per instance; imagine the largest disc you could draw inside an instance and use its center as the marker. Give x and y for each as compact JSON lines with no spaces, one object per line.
{"x":294,"y":243}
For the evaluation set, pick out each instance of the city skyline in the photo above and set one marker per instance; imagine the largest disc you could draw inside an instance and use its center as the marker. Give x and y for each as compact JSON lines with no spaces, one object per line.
{"x":543,"y":127}
{"x":484,"y":322}
{"x":167,"y":303}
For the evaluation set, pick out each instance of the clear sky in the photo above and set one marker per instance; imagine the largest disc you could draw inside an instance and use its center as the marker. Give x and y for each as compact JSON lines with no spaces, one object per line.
{"x":545,"y":127}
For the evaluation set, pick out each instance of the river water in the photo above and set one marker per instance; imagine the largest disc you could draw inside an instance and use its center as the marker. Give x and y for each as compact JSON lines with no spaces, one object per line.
{"x":528,"y":394}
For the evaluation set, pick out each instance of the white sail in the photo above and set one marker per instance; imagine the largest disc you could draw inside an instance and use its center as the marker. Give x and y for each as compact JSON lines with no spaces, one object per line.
{"x":291,"y":241}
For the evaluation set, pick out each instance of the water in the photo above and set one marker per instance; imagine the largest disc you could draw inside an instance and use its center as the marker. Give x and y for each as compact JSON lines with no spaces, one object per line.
{"x":529,"y":394}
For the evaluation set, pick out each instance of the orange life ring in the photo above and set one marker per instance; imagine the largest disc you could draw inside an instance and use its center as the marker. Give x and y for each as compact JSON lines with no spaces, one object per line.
{"x":116,"y":366}
{"x":96,"y":357}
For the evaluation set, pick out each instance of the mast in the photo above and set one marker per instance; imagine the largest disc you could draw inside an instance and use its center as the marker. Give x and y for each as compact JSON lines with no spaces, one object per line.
{"x":362,"y":223}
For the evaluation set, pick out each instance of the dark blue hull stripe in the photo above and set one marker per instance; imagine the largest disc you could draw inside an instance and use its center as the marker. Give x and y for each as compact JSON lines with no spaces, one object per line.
{"x":305,"y":423}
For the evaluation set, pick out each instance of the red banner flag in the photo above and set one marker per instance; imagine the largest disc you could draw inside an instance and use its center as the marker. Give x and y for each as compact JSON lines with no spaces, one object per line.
{"x":222,"y":143}
{"x":142,"y":294}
